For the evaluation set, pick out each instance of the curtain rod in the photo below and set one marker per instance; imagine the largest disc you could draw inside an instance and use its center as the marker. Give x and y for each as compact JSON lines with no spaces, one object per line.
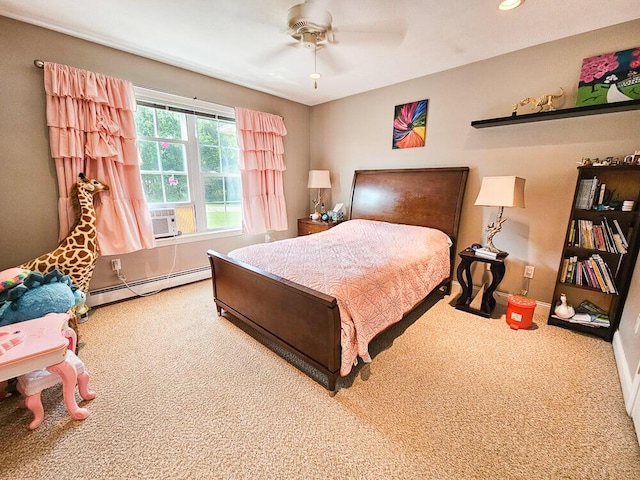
{"x":40,"y":64}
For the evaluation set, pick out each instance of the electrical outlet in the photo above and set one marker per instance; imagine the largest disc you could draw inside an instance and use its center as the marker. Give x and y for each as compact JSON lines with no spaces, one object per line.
{"x":637,"y":325}
{"x":528,"y":271}
{"x":115,"y":265}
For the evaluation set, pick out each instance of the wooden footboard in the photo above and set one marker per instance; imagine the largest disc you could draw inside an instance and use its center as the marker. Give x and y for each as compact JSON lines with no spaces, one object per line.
{"x":299,"y":319}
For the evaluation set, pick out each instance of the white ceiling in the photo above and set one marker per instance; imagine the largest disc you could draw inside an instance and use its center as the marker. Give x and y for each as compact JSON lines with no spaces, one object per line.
{"x":379,"y":42}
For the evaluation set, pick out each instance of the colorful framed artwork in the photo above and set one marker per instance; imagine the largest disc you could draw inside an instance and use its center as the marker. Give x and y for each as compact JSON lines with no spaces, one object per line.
{"x":410,"y":124}
{"x":612,"y":77}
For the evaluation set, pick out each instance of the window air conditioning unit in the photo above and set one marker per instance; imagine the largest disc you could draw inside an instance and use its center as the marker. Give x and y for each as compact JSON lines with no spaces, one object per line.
{"x":163,"y":221}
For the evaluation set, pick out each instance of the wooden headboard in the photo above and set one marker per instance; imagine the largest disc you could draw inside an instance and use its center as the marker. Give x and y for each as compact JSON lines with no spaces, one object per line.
{"x":428,"y":197}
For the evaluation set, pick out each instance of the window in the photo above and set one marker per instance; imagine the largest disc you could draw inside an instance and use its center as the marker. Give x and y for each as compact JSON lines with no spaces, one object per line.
{"x":189,"y":161}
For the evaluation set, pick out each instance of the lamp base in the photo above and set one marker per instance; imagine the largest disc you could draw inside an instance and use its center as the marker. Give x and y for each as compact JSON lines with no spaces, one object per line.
{"x":493,"y":228}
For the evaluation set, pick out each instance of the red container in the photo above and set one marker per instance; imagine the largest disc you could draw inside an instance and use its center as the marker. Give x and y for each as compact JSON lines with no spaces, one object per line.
{"x":520,"y":311}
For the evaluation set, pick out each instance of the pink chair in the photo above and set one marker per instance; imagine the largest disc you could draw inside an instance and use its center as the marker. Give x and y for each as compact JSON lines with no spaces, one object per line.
{"x":30,"y":385}
{"x":37,"y":353}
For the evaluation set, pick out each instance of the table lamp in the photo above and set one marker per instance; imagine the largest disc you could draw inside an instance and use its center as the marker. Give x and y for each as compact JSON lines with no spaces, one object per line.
{"x":500,"y":192}
{"x":318,"y":179}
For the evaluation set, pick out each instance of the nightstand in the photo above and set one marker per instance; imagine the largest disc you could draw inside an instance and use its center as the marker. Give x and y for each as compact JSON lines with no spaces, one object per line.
{"x":497,"y":268}
{"x":306,"y":226}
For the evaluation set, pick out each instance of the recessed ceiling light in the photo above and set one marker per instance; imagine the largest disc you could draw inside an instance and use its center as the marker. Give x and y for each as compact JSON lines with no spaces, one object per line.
{"x":510,"y":4}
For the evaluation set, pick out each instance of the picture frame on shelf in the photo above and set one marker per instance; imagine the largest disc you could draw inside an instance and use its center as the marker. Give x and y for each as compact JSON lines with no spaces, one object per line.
{"x":610,"y":78}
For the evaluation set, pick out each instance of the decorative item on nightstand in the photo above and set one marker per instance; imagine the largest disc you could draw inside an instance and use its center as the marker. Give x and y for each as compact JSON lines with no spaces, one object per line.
{"x":318,"y":179}
{"x":500,"y":192}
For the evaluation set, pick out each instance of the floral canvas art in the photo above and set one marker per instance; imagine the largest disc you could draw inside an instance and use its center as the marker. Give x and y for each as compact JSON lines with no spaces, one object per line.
{"x":609,"y":78}
{"x":410,"y":125}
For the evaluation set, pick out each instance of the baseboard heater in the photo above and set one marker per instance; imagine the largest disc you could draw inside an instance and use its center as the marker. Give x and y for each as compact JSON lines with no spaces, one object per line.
{"x":114,"y":293}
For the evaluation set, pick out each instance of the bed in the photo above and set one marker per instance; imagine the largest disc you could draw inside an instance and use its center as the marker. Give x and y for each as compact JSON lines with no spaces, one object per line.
{"x":307,"y":322}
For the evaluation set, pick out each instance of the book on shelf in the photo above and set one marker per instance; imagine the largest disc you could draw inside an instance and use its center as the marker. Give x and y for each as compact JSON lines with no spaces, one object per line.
{"x":619,"y":230}
{"x":586,"y":193}
{"x":565,"y":268}
{"x":618,"y":243}
{"x":587,"y":306}
{"x":596,"y":270}
{"x":601,"y":193}
{"x":571,"y":267}
{"x":608,"y":236}
{"x":571,"y":234}
{"x":606,"y":274}
{"x":593,"y":272}
{"x":592,"y":193}
{"x":604,"y":237}
{"x":593,"y":281}
{"x":590,"y":314}
{"x":586,"y":319}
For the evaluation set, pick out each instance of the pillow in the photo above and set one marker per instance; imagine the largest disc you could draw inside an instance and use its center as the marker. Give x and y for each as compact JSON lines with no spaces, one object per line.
{"x":11,"y":277}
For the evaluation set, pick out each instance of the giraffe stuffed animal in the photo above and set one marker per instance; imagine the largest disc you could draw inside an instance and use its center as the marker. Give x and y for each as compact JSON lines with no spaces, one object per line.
{"x":78,"y":252}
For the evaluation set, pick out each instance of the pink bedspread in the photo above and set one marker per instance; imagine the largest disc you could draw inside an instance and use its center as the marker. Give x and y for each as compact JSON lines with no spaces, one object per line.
{"x":377,"y":272}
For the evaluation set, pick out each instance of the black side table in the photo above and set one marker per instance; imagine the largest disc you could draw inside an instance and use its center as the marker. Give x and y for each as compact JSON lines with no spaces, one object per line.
{"x":497,"y":269}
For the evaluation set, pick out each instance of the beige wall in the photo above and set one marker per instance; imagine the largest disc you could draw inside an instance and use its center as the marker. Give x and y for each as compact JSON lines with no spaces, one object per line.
{"x":355,"y":133}
{"x":28,"y":210}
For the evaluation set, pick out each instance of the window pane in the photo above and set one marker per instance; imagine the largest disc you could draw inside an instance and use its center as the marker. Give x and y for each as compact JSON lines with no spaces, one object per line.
{"x":145,"y":122}
{"x":209,"y":159}
{"x":152,"y":185}
{"x":148,"y":155}
{"x":228,"y":137}
{"x":222,"y":197}
{"x":173,"y":157}
{"x":213,"y":190}
{"x":170,"y":124}
{"x":233,"y":189}
{"x":207,"y":131}
{"x":233,"y":215}
{"x":176,"y":188}
{"x":230,"y":160}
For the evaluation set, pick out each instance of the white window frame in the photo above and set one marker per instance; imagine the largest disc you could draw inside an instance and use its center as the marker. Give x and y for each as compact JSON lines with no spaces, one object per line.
{"x":195,"y":178}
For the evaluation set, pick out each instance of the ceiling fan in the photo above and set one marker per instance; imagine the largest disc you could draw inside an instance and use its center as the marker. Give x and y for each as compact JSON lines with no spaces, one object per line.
{"x":310,"y":25}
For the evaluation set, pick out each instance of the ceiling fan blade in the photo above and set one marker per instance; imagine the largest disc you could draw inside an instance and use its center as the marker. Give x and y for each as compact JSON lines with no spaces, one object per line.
{"x":276,"y":54}
{"x":328,"y":63}
{"x":389,"y":33}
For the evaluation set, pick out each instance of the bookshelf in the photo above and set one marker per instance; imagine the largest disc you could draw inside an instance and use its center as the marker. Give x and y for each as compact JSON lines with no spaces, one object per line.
{"x":600,"y":249}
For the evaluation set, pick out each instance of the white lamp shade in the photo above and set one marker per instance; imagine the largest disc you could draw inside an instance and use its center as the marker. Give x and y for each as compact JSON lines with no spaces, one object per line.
{"x":501,"y":192}
{"x":319,"y":179}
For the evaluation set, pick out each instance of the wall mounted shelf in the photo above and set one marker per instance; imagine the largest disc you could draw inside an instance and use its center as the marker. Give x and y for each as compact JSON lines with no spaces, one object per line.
{"x":557,"y":114}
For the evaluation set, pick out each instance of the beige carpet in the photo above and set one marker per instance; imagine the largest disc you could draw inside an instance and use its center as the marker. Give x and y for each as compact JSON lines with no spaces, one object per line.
{"x":184,"y":394}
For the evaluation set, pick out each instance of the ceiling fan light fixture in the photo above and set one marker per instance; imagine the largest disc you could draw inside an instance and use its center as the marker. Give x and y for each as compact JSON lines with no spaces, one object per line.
{"x":510,"y":4}
{"x":315,"y":75}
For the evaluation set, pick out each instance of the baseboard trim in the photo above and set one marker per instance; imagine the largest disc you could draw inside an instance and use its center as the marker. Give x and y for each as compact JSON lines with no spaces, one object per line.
{"x":626,"y":376}
{"x":501,"y":297}
{"x":145,"y":286}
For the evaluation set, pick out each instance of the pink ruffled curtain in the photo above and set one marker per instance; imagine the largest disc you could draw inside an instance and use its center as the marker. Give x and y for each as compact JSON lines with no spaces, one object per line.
{"x":92,"y":130}
{"x":261,"y":166}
